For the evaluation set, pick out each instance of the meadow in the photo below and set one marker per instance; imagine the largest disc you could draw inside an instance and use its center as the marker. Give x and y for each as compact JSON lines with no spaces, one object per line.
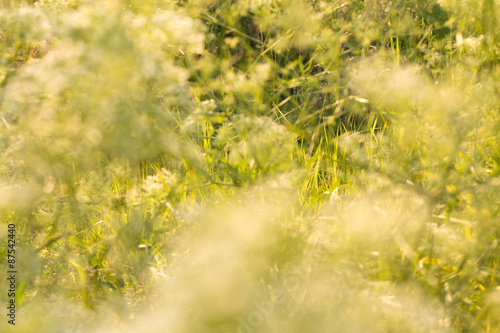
{"x":250,"y":165}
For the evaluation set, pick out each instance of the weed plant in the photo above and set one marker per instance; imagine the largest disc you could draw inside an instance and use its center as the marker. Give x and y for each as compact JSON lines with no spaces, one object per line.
{"x":251,"y":165}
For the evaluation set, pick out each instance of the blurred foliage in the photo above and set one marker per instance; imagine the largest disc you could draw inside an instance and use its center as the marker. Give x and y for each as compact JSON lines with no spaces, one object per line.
{"x":251,"y":166}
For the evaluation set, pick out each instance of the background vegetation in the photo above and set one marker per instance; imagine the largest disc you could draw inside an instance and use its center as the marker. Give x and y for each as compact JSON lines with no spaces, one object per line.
{"x":251,"y":165}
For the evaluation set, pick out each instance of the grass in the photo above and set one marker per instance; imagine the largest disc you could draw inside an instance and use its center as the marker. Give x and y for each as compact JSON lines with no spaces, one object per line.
{"x":251,"y":166}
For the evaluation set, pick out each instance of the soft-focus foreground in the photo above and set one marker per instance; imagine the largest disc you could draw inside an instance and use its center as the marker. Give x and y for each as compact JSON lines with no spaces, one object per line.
{"x":251,"y":165}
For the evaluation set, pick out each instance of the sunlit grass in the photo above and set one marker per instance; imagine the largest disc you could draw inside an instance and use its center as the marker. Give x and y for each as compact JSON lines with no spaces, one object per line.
{"x":251,"y":166}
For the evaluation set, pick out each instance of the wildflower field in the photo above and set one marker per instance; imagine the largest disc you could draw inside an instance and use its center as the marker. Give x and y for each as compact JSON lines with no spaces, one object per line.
{"x":249,"y":166}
